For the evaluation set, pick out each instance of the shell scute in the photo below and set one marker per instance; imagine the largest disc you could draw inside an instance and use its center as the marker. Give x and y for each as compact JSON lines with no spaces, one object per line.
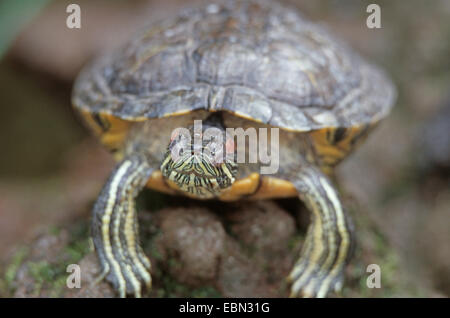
{"x":256,"y":59}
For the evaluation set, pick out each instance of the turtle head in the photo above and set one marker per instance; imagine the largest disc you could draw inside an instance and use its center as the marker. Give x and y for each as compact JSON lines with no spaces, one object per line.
{"x":200,"y":160}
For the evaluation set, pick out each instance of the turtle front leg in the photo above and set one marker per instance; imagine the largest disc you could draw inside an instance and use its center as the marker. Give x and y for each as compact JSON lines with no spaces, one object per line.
{"x":115,"y":229}
{"x":329,"y":240}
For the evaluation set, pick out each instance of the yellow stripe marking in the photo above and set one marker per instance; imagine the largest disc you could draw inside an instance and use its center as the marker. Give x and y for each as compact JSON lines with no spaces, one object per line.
{"x":105,"y":226}
{"x":345,"y":239}
{"x":131,"y":240}
{"x":130,"y":273}
{"x":330,"y":233}
{"x":132,"y":276}
{"x":227,"y":172}
{"x":317,"y":234}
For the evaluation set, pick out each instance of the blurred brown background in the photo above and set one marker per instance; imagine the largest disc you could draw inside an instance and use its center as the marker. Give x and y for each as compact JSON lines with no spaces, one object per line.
{"x":51,"y":169}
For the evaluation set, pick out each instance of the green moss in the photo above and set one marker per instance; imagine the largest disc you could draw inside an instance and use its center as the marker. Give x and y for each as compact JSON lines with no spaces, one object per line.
{"x":170,"y":288}
{"x":11,"y":270}
{"x":42,"y":272}
{"x":58,"y":286}
{"x":16,"y":261}
{"x":295,"y":240}
{"x":79,"y":232}
{"x":51,"y":276}
{"x":374,"y":248}
{"x":206,"y":292}
{"x":79,"y":243}
{"x":77,"y":250}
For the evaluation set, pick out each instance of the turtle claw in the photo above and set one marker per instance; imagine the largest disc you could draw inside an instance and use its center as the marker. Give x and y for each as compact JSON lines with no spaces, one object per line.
{"x":100,"y":276}
{"x":126,"y":279}
{"x":128,"y":276}
{"x":329,"y":240}
{"x":315,"y":282}
{"x":312,"y":279}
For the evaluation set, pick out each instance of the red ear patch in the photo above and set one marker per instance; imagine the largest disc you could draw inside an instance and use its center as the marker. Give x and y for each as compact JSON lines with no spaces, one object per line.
{"x":229,"y":146}
{"x":174,"y":134}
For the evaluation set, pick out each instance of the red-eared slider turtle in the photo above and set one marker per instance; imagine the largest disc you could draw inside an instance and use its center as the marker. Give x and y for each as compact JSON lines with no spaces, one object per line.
{"x":232,"y":64}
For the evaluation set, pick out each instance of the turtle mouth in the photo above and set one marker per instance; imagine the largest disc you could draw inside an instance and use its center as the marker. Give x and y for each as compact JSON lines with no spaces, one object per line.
{"x":201,"y":165}
{"x":197,"y":175}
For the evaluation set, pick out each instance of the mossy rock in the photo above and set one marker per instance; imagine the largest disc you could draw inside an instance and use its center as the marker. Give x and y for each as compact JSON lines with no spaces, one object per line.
{"x":235,"y":263}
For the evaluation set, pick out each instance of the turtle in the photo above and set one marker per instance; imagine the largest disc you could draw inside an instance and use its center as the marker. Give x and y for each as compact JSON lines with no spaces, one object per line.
{"x":163,"y":104}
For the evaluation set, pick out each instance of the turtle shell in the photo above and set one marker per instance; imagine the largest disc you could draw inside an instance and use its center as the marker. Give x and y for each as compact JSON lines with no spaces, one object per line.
{"x":256,"y":59}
